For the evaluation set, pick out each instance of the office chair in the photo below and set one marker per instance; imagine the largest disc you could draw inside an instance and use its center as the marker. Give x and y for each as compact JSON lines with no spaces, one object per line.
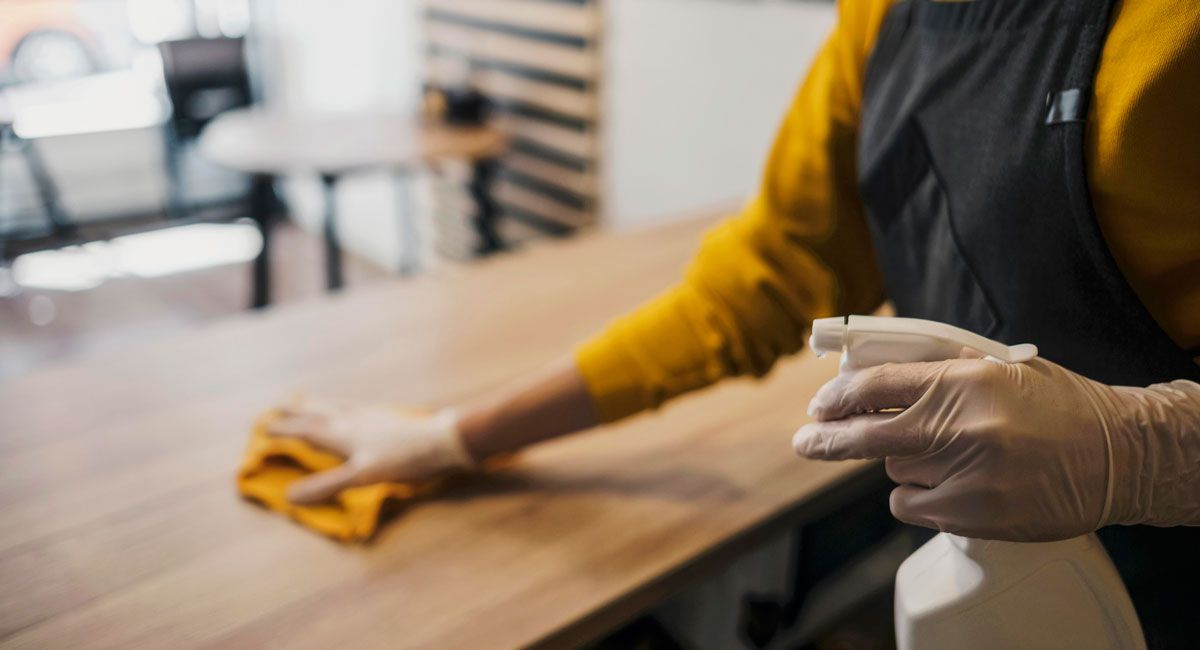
{"x":205,"y":77}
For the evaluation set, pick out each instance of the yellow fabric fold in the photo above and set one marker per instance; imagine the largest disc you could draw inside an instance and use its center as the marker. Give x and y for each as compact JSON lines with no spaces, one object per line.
{"x":272,"y":463}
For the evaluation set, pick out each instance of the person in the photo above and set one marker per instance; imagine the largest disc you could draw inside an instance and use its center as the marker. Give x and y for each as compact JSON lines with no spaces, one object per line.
{"x":1025,"y":169}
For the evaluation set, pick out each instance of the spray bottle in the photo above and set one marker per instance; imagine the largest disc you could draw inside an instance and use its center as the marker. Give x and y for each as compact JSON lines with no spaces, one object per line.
{"x":956,"y":592}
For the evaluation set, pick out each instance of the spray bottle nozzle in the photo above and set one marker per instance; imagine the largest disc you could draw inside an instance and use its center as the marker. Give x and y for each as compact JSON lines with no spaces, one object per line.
{"x":828,"y":335}
{"x":876,"y":340}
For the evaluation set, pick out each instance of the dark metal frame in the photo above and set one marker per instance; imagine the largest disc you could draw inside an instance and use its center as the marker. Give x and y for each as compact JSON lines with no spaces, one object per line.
{"x":60,"y":224}
{"x":486,"y":216}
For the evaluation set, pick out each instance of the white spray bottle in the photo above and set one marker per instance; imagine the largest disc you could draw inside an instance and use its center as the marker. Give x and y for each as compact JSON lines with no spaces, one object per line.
{"x":956,"y":592}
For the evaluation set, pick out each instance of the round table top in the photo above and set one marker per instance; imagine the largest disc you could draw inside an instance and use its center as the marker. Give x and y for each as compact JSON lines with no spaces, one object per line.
{"x":263,"y":141}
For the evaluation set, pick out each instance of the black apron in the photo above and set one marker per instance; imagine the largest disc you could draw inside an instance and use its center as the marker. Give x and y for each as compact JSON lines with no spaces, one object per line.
{"x":971,"y":168}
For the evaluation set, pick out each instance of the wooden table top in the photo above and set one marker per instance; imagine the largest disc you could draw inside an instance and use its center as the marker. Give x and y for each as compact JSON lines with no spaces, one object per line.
{"x":120,"y":526}
{"x":257,"y":140}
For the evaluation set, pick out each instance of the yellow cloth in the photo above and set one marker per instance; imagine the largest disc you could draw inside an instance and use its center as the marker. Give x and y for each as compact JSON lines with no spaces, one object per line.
{"x":800,"y":249}
{"x":271,"y":464}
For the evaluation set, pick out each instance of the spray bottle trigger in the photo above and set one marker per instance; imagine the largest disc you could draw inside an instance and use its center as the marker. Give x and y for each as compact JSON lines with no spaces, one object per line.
{"x":1021,"y":353}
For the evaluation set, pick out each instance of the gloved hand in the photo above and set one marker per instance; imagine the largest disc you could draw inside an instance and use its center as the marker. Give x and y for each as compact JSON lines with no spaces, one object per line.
{"x":380,"y":443}
{"x":1022,"y":452}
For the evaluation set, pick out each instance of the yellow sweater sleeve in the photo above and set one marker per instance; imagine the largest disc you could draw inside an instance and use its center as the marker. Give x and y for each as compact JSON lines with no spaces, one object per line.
{"x":799,"y":250}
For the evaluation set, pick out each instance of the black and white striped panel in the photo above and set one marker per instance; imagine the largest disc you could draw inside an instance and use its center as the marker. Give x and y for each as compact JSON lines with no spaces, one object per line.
{"x":538,"y":61}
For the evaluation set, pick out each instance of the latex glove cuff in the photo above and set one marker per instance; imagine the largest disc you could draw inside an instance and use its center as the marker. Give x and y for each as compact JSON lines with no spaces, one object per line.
{"x":1155,"y":456}
{"x":452,"y":452}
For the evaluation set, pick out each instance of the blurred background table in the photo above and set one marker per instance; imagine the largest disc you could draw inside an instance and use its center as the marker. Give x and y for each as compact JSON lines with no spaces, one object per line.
{"x":263,"y":142}
{"x":120,"y":526}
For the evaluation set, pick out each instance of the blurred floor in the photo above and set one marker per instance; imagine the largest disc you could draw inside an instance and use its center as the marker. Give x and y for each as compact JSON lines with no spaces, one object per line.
{"x":866,"y":627}
{"x":125,"y":310}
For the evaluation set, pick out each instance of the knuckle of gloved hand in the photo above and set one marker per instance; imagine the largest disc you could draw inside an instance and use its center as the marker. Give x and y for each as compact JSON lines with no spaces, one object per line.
{"x":850,"y":397}
{"x":842,"y":404}
{"x":834,"y":399}
{"x":1000,"y":445}
{"x":800,"y":442}
{"x":977,"y":372}
{"x":344,"y":428}
{"x":815,"y":443}
{"x":894,"y":469}
{"x":901,"y":509}
{"x":989,"y":507}
{"x":372,"y":471}
{"x":904,"y":471}
{"x":863,"y":379}
{"x":821,"y":406}
{"x":909,"y":436}
{"x":898,"y":505}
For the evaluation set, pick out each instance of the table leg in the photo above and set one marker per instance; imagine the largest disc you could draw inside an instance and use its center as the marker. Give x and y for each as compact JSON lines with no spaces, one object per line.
{"x":262,"y":207}
{"x":3,"y":151}
{"x":176,"y":197}
{"x":46,"y":188}
{"x":488,"y":211}
{"x":410,"y":250}
{"x":333,"y":249}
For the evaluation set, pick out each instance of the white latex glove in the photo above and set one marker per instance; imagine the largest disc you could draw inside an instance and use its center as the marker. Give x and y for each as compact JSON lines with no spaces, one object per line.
{"x":380,"y":443}
{"x":1022,"y":452}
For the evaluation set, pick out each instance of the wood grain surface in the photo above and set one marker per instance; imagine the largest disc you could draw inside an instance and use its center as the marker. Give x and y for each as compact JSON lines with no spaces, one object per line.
{"x":120,"y":527}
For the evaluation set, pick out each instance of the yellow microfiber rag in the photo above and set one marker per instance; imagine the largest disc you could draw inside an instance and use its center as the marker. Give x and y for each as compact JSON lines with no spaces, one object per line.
{"x":272,"y":463}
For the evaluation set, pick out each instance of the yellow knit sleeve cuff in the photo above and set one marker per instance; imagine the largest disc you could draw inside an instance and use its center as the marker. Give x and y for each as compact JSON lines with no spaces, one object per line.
{"x":612,"y":378}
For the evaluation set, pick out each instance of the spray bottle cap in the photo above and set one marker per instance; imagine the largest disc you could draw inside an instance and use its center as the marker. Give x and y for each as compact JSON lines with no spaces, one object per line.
{"x":831,"y":334}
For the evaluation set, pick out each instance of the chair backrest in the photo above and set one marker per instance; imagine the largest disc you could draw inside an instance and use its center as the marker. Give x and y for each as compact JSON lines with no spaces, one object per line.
{"x":204,"y":77}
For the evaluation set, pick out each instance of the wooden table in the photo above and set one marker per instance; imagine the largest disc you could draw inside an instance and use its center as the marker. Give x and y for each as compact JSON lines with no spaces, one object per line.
{"x":120,"y":527}
{"x":266,"y":143}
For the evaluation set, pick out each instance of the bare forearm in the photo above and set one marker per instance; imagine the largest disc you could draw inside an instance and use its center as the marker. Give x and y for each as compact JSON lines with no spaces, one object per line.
{"x":553,"y":404}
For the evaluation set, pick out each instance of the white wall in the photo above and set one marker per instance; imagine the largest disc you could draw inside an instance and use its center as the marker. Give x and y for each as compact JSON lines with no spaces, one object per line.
{"x":694,"y":90}
{"x":344,"y":55}
{"x":350,"y":55}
